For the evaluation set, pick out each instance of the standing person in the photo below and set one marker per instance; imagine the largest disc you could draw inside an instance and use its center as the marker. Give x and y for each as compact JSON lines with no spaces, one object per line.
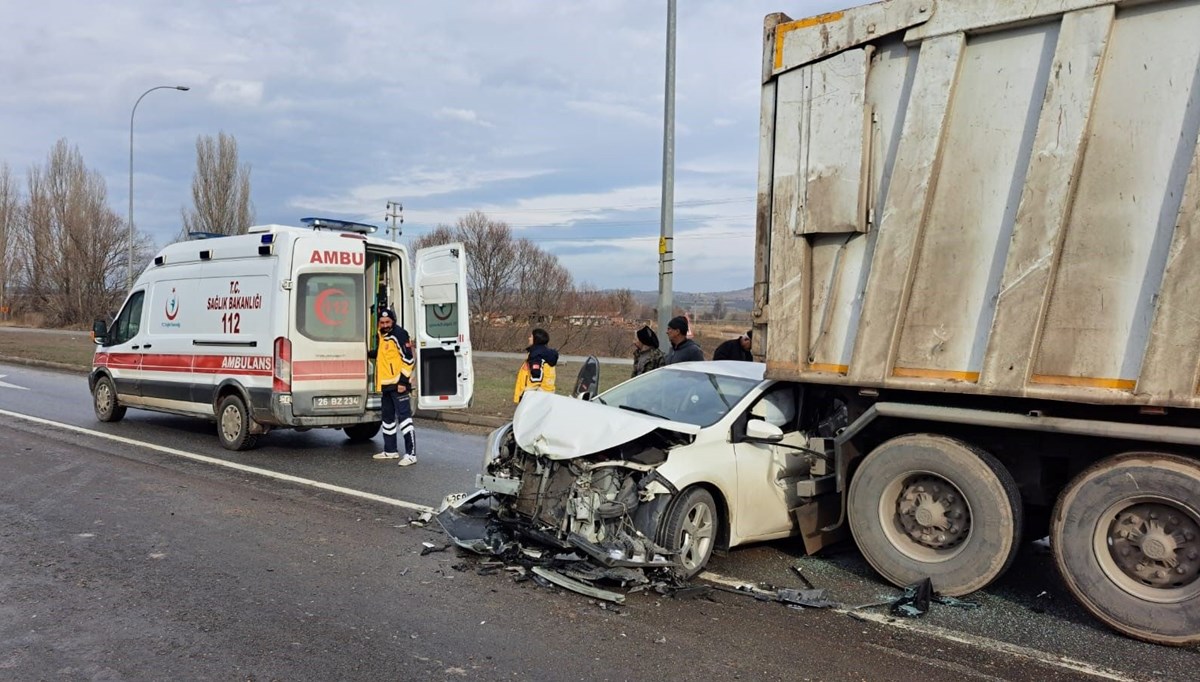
{"x":683,"y":349}
{"x":537,"y":373}
{"x":646,"y":355}
{"x":736,"y":349}
{"x":394,"y":362}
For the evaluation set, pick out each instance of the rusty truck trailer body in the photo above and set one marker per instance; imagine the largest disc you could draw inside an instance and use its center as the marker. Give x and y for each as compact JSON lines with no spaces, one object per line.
{"x":995,"y":198}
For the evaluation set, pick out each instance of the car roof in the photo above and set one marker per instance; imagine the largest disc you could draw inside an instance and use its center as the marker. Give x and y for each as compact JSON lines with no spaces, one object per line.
{"x":731,"y":368}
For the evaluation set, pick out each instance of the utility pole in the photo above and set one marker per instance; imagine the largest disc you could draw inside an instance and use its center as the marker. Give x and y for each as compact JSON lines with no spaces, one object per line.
{"x":395,"y":213}
{"x":666,"y":246}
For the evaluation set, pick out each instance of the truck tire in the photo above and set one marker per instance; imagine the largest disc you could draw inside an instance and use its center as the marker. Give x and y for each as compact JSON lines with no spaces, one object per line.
{"x":360,"y":433}
{"x":690,"y":527}
{"x":1125,"y":535}
{"x":104,"y":401}
{"x":233,"y":424}
{"x":928,"y":506}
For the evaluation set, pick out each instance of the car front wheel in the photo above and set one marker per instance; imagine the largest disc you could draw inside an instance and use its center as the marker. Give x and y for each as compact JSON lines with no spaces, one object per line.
{"x":691,"y":529}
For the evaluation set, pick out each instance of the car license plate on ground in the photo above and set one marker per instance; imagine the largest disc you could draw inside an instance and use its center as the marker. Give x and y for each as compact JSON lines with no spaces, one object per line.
{"x":332,"y":401}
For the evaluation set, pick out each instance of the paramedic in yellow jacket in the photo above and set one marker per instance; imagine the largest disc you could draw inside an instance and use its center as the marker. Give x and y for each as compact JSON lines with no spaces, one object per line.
{"x":394,"y":362}
{"x":537,"y":374}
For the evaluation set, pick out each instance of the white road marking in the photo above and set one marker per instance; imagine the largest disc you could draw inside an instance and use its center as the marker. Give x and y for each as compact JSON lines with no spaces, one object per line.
{"x":5,"y":384}
{"x":977,"y":641}
{"x":223,"y":463}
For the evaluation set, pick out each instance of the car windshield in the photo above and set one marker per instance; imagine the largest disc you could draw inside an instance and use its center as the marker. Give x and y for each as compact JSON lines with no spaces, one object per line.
{"x":696,"y":398}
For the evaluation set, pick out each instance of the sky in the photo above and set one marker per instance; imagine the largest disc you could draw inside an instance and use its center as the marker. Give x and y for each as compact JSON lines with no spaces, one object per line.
{"x":547,"y":115}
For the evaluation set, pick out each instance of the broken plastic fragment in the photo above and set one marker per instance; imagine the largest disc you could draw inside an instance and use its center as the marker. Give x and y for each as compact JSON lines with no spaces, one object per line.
{"x":956,"y":603}
{"x":811,"y":598}
{"x":430,"y":548}
{"x":914,"y":603}
{"x":576,"y":586}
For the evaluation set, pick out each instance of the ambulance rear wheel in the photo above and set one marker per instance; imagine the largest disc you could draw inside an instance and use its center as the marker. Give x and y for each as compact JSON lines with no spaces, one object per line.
{"x":360,"y":433}
{"x":104,"y":400}
{"x":233,"y":424}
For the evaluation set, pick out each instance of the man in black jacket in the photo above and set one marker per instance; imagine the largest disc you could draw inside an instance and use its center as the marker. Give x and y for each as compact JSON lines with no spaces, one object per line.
{"x":735,"y":349}
{"x":683,"y":349}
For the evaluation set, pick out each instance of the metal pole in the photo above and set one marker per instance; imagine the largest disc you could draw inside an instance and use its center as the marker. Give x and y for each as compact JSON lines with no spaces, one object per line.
{"x":129,"y":276}
{"x":666,"y":248}
{"x":395,"y":210}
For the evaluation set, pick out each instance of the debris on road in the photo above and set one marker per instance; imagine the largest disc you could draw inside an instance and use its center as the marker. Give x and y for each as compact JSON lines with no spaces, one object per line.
{"x":914,"y":603}
{"x":430,"y":548}
{"x":474,"y":524}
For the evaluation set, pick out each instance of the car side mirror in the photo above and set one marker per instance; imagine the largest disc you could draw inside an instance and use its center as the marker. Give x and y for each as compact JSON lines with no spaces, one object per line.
{"x":99,"y":332}
{"x":764,"y":432}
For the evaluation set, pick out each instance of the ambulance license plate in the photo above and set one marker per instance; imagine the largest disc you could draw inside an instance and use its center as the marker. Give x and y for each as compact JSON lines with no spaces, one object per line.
{"x":332,"y":401}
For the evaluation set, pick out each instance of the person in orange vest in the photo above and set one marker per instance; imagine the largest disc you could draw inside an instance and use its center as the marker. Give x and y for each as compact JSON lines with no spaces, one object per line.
{"x":537,"y":373}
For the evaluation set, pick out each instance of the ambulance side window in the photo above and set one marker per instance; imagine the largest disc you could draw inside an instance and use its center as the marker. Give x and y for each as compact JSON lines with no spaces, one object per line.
{"x":129,"y":321}
{"x":330,"y":307}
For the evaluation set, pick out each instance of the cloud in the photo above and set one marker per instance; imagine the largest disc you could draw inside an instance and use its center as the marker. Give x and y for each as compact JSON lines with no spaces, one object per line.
{"x":237,"y":93}
{"x":464,"y":115}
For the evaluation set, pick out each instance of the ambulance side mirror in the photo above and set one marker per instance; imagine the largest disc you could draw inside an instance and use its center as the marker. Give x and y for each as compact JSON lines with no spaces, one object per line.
{"x":99,"y":332}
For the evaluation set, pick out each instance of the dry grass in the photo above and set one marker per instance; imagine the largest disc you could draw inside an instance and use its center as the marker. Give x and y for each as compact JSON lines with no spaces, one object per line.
{"x":74,"y":348}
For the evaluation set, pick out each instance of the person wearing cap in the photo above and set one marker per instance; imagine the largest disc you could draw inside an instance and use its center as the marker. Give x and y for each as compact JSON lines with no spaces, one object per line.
{"x":537,"y":373}
{"x":683,"y":349}
{"x":646,"y":355}
{"x":394,"y":363}
{"x":736,"y":349}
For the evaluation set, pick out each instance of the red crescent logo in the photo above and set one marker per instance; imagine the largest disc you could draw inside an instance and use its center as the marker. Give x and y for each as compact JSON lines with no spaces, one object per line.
{"x":172,"y":303}
{"x":323,"y":307}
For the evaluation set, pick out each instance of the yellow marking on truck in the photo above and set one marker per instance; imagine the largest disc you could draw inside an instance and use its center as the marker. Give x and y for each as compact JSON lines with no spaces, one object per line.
{"x":783,"y":29}
{"x":1087,"y":382}
{"x":944,"y":374}
{"x":830,"y":369}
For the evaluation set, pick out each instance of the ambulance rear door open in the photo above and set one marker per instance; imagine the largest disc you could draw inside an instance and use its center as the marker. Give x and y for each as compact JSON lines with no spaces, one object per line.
{"x":445,"y":376}
{"x":327,"y":356}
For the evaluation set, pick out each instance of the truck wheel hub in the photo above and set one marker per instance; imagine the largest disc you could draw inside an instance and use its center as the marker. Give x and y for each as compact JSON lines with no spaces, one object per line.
{"x":1156,"y":545}
{"x":932,"y":512}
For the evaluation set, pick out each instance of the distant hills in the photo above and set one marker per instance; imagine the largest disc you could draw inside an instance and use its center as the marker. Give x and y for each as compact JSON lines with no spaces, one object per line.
{"x":738,"y":299}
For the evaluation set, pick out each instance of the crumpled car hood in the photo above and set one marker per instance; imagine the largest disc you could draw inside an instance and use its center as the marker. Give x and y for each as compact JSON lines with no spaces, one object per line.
{"x":558,"y":427}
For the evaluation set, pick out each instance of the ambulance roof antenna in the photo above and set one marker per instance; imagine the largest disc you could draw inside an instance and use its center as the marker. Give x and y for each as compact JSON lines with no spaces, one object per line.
{"x":395,"y":213}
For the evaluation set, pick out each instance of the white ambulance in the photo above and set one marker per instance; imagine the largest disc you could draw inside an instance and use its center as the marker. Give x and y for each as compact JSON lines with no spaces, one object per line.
{"x":272,"y":329}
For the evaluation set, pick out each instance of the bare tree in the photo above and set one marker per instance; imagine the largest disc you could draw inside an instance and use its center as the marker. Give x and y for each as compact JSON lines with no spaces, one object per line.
{"x":220,"y":189}
{"x":11,"y":219}
{"x":507,"y":277}
{"x":72,"y":246}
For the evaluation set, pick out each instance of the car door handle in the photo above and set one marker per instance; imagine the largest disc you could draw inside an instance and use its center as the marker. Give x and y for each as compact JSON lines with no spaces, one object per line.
{"x":145,"y":346}
{"x":135,"y":347}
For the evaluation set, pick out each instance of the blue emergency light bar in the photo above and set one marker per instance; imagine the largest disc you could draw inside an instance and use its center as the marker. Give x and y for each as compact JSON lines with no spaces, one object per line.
{"x":339,"y":225}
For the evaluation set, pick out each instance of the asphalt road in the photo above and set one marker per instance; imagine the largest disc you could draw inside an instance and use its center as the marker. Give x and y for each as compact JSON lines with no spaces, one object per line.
{"x":123,"y":562}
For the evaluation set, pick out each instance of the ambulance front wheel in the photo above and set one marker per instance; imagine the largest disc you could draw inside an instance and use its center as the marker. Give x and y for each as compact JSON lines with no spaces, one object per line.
{"x":233,"y":424}
{"x":104,"y":400}
{"x":360,"y":433}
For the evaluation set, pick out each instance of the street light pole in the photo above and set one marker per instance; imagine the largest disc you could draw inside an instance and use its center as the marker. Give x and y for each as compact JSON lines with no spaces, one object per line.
{"x":666,"y":246}
{"x":129,"y":277}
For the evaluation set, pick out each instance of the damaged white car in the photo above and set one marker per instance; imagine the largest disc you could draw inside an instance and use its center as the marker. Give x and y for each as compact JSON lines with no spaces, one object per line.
{"x":660,"y":470}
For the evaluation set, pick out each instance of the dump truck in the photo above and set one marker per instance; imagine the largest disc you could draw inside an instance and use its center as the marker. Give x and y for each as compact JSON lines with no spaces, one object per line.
{"x":978,"y":238}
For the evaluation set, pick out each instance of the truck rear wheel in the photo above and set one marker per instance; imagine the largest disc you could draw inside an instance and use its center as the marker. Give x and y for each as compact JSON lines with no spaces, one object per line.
{"x":233,"y":424}
{"x":360,"y":433}
{"x":1126,"y":539}
{"x":928,"y":506}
